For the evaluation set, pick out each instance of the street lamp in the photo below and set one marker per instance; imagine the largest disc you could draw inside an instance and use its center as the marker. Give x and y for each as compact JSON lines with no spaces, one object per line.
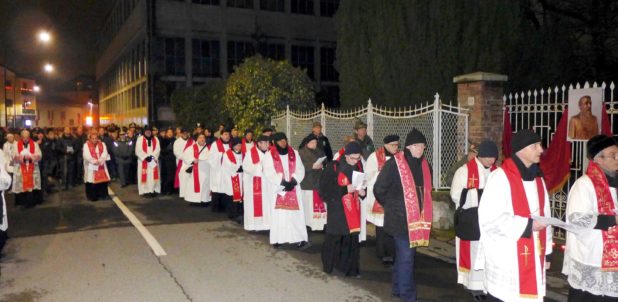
{"x":49,"y":68}
{"x":44,"y":36}
{"x":36,"y":88}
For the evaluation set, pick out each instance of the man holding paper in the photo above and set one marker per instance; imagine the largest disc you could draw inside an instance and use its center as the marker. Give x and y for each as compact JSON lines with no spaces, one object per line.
{"x":96,"y":175}
{"x":342,"y":193}
{"x":147,"y":149}
{"x":284,"y":171}
{"x":313,"y":161}
{"x":403,"y":188}
{"x":466,"y":191}
{"x":591,"y":256}
{"x":515,"y":246}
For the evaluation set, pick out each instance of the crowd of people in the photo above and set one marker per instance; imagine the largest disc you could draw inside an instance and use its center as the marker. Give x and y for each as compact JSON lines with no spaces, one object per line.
{"x":263,"y":183}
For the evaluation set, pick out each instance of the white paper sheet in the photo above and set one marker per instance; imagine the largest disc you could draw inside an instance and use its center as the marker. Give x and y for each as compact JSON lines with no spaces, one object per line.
{"x":358,"y":180}
{"x":319,"y":161}
{"x":152,"y":164}
{"x":558,"y":223}
{"x":70,"y":149}
{"x":93,"y":167}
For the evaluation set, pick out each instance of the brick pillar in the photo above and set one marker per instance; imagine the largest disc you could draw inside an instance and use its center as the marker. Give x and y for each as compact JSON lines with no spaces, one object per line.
{"x":481,"y":93}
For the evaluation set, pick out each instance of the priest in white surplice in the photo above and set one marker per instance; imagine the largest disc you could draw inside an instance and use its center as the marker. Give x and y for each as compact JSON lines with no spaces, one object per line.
{"x":385,"y":246}
{"x":466,"y":189}
{"x":284,"y":171}
{"x":5,"y":183}
{"x":232,"y":180}
{"x":514,"y":245}
{"x":591,"y":257}
{"x":147,"y":149}
{"x":96,"y":175}
{"x":217,"y":150}
{"x":196,"y":170}
{"x":181,"y":144}
{"x":255,"y":202}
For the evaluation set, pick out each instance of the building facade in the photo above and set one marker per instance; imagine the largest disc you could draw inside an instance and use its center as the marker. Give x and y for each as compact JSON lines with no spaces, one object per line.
{"x":148,"y":48}
{"x":18,"y":100}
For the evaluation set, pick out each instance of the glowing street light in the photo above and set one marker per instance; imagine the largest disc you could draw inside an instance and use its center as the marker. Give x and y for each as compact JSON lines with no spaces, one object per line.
{"x":49,"y":68}
{"x":44,"y":36}
{"x":36,"y":88}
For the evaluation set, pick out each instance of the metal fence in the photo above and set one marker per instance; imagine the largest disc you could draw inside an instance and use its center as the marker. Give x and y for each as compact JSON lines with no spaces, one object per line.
{"x":445,"y":127}
{"x":541,"y":110}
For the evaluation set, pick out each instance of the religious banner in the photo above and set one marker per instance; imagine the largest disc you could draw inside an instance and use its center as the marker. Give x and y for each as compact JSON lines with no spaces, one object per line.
{"x":585,"y":105}
{"x":556,"y":160}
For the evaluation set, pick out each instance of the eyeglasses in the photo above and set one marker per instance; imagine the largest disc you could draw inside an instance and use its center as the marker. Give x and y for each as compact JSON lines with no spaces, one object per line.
{"x":614,"y":156}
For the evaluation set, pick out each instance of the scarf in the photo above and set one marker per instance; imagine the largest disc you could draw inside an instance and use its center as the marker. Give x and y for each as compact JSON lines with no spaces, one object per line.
{"x":145,"y":146}
{"x":289,"y":201}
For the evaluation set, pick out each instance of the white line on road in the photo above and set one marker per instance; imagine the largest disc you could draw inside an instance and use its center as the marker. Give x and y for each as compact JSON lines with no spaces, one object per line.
{"x":152,"y":242}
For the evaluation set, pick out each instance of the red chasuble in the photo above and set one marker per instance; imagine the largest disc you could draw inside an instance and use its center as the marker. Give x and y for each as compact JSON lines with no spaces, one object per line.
{"x":99,"y":175}
{"x":27,"y":169}
{"x":179,"y":164}
{"x":289,"y":201}
{"x":381,"y":157}
{"x":236,"y":192}
{"x":145,"y":163}
{"x":525,"y":246}
{"x":419,"y":222}
{"x":257,"y":185}
{"x":351,"y":201}
{"x":465,"y":261}
{"x":605,"y":204}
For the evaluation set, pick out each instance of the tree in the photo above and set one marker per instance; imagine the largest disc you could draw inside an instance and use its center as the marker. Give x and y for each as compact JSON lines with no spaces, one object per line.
{"x":261,"y":87}
{"x":200,"y":104}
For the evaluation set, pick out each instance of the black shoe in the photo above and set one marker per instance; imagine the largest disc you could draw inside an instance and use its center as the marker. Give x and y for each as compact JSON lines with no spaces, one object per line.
{"x":277,"y":245}
{"x":303,"y":245}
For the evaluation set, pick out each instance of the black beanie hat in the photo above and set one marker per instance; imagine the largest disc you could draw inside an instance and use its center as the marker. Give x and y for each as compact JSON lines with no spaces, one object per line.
{"x":415,"y":137}
{"x":523,"y":139}
{"x":263,"y":138}
{"x":279,"y":136}
{"x":352,"y":148}
{"x":488,"y":148}
{"x":235,"y":141}
{"x":597,"y":144}
{"x":391,"y":138}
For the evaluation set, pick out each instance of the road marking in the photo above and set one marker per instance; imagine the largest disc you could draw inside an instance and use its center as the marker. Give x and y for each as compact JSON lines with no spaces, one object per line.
{"x":152,"y":242}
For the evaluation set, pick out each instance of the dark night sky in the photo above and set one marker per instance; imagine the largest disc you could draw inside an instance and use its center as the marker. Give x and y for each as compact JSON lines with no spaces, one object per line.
{"x":74,"y":25}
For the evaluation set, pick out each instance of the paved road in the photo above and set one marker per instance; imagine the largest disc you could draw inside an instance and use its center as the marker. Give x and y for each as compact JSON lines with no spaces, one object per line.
{"x":69,"y":249}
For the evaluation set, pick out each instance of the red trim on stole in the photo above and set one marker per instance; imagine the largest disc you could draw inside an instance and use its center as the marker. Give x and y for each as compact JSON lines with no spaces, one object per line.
{"x":145,"y":163}
{"x":236,"y":192}
{"x":465,"y":261}
{"x":179,"y":164}
{"x":381,"y":157}
{"x":289,"y":201}
{"x":27,"y":169}
{"x":257,"y":185}
{"x":99,"y":175}
{"x":419,"y":222}
{"x":605,"y":204}
{"x":196,"y":170}
{"x":526,"y":246}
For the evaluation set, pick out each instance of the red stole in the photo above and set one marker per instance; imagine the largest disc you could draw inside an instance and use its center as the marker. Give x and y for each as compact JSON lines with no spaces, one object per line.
{"x":605,"y":204}
{"x":243,"y":147}
{"x":179,"y":164}
{"x":419,"y":222}
{"x":196,"y":169}
{"x":145,"y":163}
{"x":289,"y":201}
{"x":465,"y":261}
{"x":257,"y":185}
{"x":99,"y":175}
{"x":220,"y":146}
{"x":381,"y":157}
{"x":341,"y":152}
{"x":526,"y":246}
{"x":27,"y":169}
{"x":236,"y":192}
{"x":351,"y":201}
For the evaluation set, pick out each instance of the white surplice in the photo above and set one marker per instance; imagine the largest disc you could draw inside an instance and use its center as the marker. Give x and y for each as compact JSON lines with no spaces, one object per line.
{"x":188,"y":185}
{"x":228,"y":171}
{"x":500,"y":230}
{"x":5,"y":183}
{"x":180,"y":145}
{"x":473,"y":279}
{"x":584,"y":252}
{"x":151,"y":185}
{"x":215,"y":159}
{"x":89,"y":160}
{"x":251,"y":170}
{"x":287,"y":226}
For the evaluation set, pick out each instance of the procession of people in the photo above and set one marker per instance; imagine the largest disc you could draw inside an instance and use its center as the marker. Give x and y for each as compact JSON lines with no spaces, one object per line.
{"x":264,"y":184}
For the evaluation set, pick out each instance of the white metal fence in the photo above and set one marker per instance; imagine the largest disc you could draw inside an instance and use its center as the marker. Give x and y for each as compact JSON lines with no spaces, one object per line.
{"x":445,"y":127}
{"x":541,"y":110}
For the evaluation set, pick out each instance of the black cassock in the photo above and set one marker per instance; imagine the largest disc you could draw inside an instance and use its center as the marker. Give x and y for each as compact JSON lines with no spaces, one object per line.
{"x":341,"y":248}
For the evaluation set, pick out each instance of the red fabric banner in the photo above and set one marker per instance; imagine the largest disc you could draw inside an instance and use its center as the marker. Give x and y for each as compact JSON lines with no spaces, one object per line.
{"x":555,"y":161}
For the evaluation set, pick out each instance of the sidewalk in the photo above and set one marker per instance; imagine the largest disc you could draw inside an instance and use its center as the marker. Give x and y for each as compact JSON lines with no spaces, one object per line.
{"x":557,"y":286}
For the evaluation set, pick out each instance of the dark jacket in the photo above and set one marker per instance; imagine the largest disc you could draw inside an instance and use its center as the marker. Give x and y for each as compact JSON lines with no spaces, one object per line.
{"x":167,"y":148}
{"x":366,"y":145}
{"x":312,"y":177}
{"x":388,"y":190}
{"x":324,"y":145}
{"x":123,"y":151}
{"x":332,"y":193}
{"x":68,"y":141}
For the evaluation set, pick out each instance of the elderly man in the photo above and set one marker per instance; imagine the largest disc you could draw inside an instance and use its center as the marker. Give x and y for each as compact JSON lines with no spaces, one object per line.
{"x":515,"y":245}
{"x":96,"y":175}
{"x":404,"y":186}
{"x":341,"y":246}
{"x":466,"y":191}
{"x":26,"y":175}
{"x":361,"y":136}
{"x":590,"y":258}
